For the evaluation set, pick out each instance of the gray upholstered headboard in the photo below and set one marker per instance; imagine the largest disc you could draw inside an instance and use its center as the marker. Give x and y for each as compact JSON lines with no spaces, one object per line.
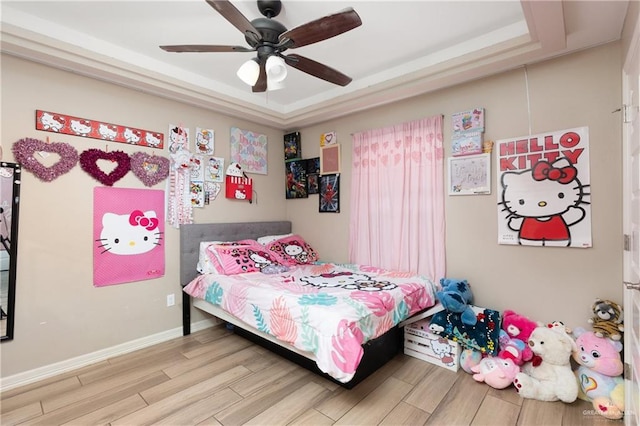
{"x":191,"y":236}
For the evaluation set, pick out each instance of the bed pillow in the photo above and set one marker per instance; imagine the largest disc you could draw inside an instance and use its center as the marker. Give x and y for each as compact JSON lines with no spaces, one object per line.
{"x":267,"y":239}
{"x":293,"y":250}
{"x":208,"y":264}
{"x":245,"y":258}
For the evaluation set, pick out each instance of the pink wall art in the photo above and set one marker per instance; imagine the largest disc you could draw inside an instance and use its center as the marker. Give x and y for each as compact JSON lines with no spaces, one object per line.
{"x":128,"y":234}
{"x":69,"y":125}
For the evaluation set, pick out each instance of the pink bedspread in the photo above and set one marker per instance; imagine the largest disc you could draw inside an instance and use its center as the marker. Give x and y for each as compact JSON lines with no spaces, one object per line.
{"x":327,"y":309}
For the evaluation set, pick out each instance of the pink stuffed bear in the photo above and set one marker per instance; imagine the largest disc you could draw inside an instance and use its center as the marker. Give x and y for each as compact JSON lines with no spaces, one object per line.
{"x":514,"y":337}
{"x":600,"y":373}
{"x":496,"y":372}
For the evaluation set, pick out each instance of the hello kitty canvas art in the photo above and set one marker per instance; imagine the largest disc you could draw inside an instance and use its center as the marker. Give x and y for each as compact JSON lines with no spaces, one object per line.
{"x":128,"y":233}
{"x":544,"y":191}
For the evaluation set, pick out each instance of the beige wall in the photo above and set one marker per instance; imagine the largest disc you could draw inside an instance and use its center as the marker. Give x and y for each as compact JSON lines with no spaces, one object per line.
{"x":60,"y":314}
{"x":546,"y":284}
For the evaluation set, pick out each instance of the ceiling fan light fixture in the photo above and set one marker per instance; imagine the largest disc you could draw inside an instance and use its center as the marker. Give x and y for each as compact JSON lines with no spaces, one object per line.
{"x":274,"y":85}
{"x":249,"y":72}
{"x":276,"y":69}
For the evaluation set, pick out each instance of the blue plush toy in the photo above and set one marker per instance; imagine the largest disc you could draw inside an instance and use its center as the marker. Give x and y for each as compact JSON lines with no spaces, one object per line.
{"x":456,"y":297}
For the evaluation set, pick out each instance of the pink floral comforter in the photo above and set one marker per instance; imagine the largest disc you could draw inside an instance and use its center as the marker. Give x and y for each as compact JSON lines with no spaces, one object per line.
{"x":327,"y":309}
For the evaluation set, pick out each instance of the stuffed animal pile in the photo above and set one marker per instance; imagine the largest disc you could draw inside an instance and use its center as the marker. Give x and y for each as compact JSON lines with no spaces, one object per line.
{"x":496,"y":372}
{"x":548,"y":377}
{"x":456,"y":296}
{"x":536,"y":358}
{"x":607,"y":319}
{"x":514,"y":337}
{"x":600,"y":373}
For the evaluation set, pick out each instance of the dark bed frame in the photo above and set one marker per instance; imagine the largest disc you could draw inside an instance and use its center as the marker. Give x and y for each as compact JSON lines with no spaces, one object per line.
{"x":377,"y":352}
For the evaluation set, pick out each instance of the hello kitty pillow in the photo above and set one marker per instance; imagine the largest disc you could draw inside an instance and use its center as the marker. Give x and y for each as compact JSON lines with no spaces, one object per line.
{"x":245,"y":258}
{"x":293,"y":250}
{"x":208,"y":262}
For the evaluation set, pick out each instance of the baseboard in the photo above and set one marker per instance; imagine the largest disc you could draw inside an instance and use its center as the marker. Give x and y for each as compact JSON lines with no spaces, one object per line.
{"x":51,"y":370}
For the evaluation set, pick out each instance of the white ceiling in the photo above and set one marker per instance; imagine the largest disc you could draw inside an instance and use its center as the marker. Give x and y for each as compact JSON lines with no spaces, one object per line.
{"x":402,"y":49}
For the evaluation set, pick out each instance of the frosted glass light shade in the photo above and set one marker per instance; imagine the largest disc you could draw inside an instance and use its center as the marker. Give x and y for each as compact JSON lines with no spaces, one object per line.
{"x":274,"y":85}
{"x":249,"y":72}
{"x":276,"y":69}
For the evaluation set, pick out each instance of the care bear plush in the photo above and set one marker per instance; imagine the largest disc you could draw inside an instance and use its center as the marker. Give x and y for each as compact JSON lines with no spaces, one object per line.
{"x":456,"y":297}
{"x":548,"y":377}
{"x":496,"y":372}
{"x":514,"y":337}
{"x":600,"y":373}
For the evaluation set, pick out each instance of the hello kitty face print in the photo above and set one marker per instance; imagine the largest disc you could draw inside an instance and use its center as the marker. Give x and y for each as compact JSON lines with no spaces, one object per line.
{"x":81,"y":127}
{"x":297,"y":252}
{"x":348,"y":281}
{"x":52,"y":122}
{"x":135,"y":233}
{"x":128,"y":235}
{"x":543,"y":190}
{"x":260,"y":261}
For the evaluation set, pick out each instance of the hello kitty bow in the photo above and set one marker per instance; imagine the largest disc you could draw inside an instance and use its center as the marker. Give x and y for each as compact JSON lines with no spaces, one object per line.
{"x":137,"y":218}
{"x":544,"y":170}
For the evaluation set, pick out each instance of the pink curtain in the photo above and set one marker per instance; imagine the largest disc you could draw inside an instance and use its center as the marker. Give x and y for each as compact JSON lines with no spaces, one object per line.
{"x":397,"y":198}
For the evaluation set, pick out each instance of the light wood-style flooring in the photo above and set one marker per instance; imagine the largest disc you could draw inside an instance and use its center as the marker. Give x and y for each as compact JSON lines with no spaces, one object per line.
{"x":214,"y":377}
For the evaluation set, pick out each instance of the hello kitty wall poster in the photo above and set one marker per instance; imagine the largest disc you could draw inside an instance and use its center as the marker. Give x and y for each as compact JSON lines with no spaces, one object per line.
{"x":543,"y":191}
{"x":69,"y":125}
{"x":128,"y":235}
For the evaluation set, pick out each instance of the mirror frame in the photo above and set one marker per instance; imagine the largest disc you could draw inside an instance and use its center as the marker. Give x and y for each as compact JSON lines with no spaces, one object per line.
{"x":13,"y":249}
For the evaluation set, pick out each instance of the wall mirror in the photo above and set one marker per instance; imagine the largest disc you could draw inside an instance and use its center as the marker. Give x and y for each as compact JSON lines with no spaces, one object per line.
{"x":9,"y":202}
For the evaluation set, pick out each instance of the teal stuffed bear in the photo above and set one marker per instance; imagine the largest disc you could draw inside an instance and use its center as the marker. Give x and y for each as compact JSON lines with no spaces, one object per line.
{"x":456,"y":297}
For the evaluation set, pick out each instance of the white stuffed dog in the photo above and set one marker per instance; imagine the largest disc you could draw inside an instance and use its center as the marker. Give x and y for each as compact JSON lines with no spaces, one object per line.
{"x":548,"y":377}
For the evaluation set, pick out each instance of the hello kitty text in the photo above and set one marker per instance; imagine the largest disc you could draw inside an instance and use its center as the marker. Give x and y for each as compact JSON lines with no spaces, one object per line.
{"x":522,"y":154}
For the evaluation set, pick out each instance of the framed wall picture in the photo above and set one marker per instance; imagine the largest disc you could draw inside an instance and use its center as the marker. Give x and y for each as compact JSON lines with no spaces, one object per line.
{"x":329,"y":196}
{"x":292,"y":146}
{"x":313,"y":171}
{"x":296,"y":179}
{"x":470,"y":175}
{"x":330,"y":159}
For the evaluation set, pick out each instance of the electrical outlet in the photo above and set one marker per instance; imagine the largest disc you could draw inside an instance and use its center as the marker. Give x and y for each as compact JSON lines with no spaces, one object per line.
{"x":171,"y":299}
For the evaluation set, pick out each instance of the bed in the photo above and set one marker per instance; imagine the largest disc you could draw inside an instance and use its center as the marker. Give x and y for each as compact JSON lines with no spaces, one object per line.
{"x":293,"y":311}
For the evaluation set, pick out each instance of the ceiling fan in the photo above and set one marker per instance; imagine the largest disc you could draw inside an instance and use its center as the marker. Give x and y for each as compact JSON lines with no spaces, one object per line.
{"x":270,"y":39}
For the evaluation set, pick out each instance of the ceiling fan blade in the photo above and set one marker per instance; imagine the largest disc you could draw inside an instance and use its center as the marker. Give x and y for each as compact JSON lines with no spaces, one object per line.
{"x":179,"y":48}
{"x":261,"y":83}
{"x":321,"y":29}
{"x":317,"y":69}
{"x":237,"y":19}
